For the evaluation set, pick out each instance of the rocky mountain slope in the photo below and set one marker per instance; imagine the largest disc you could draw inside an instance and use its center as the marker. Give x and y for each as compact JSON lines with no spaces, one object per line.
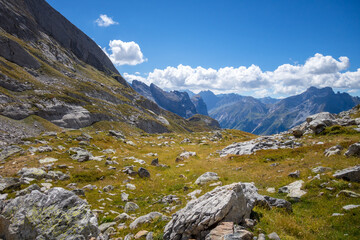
{"x":86,"y":184}
{"x":269,"y":116}
{"x":174,"y":101}
{"x":51,"y":69}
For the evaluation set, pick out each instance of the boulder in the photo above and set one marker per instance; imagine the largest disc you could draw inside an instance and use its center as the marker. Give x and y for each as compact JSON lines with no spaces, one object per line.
{"x":28,"y":190}
{"x":207,"y":177}
{"x":351,"y":174}
{"x":353,"y":150}
{"x":55,"y":214}
{"x":295,"y":174}
{"x":334,"y":150}
{"x":9,"y":151}
{"x":130,"y":207}
{"x":320,"y":169}
{"x":143,"y":173}
{"x":293,"y":190}
{"x":230,"y":203}
{"x":273,"y":236}
{"x":36,"y":173}
{"x":148,"y":218}
{"x":81,"y":154}
{"x":57,"y":175}
{"x":9,"y":183}
{"x":280,"y":203}
{"x":220,"y":231}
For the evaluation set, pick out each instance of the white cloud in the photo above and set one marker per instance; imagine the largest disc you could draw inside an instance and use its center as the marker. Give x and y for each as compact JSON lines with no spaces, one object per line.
{"x":105,"y":21}
{"x":318,"y":71}
{"x":124,"y":53}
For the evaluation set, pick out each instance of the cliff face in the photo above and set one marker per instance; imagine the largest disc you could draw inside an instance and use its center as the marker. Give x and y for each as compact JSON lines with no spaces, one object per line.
{"x":200,"y":105}
{"x":29,"y":20}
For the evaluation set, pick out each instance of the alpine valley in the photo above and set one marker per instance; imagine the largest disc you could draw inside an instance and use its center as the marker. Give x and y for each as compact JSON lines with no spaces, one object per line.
{"x":85,"y":155}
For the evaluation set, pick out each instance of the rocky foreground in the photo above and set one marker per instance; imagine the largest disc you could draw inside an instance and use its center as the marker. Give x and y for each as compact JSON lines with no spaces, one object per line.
{"x":130,"y":185}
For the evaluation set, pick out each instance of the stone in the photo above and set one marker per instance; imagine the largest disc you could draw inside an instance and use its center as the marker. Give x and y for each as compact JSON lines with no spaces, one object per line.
{"x":9,"y":151}
{"x":353,"y":150}
{"x":80,"y":155}
{"x":116,"y":134}
{"x":9,"y":184}
{"x":103,"y":227}
{"x":293,"y":190}
{"x":280,"y":203}
{"x":320,"y":169}
{"x":348,"y":193}
{"x":207,"y":177}
{"x":185,"y":155}
{"x":3,"y":196}
{"x":295,"y":174}
{"x":222,"y":229}
{"x":337,"y":214}
{"x":46,"y":148}
{"x":25,"y":216}
{"x":148,"y":218}
{"x":129,"y":236}
{"x":351,"y":174}
{"x":194,"y":193}
{"x":240,"y":235}
{"x":271,"y":190}
{"x":130,"y":207}
{"x":350,"y":206}
{"x":143,"y":173}
{"x":141,"y":234}
{"x":79,"y":192}
{"x":57,"y":175}
{"x":89,"y":187}
{"x":130,"y":171}
{"x":230,"y":203}
{"x":36,"y":173}
{"x":334,"y":150}
{"x":122,"y":217}
{"x":170,"y":199}
{"x":124,"y":197}
{"x":274,"y":236}
{"x":155,"y":162}
{"x":149,"y":236}
{"x":108,"y":188}
{"x":47,"y":160}
{"x":261,"y":236}
{"x":28,"y":190}
{"x":130,"y":186}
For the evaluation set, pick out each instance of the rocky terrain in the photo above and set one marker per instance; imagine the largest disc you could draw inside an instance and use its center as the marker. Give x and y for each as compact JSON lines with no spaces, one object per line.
{"x":86,"y":184}
{"x":53,"y":75}
{"x":270,"y":116}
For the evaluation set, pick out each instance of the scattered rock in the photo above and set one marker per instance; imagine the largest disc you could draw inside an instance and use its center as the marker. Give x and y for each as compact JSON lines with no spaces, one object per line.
{"x":122,"y":217}
{"x":28,"y":190}
{"x":108,"y":188}
{"x":129,"y":170}
{"x":80,"y":155}
{"x":116,"y":134}
{"x":130,"y":207}
{"x":274,"y":236}
{"x":295,"y":174}
{"x":293,"y":190}
{"x":124,"y":197}
{"x":47,"y":160}
{"x":207,"y":177}
{"x":320,"y":169}
{"x":194,"y":193}
{"x":351,"y":206}
{"x":271,"y":190}
{"x":24,"y":216}
{"x":143,"y":173}
{"x":230,"y":203}
{"x":9,"y":151}
{"x":89,"y":187}
{"x":149,"y":236}
{"x":280,"y":203}
{"x":44,"y":149}
{"x":9,"y":183}
{"x":353,"y":150}
{"x":148,"y":218}
{"x":103,"y":227}
{"x":130,"y":186}
{"x":170,"y":199}
{"x":185,"y":155}
{"x":79,"y":192}
{"x":155,"y":162}
{"x":141,"y":234}
{"x":334,"y":150}
{"x":36,"y":173}
{"x":348,"y":193}
{"x":351,"y":174}
{"x":57,"y":175}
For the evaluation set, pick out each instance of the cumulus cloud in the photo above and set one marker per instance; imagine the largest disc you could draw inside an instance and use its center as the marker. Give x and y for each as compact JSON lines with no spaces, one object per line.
{"x":124,"y":53}
{"x":318,"y":71}
{"x":105,"y":21}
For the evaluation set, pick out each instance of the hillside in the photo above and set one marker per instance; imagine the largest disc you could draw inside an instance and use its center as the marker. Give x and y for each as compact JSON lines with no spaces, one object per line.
{"x":51,"y":69}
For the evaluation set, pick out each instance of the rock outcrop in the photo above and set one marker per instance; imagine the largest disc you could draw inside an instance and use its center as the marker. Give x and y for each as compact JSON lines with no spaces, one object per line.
{"x":351,"y":174}
{"x":231,"y":203}
{"x":55,"y":214}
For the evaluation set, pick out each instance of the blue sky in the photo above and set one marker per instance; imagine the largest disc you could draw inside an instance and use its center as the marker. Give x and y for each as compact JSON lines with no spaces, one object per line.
{"x":230,"y":45}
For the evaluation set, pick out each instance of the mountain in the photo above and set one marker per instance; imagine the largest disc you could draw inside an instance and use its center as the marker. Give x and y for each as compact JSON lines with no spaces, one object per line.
{"x":269,"y":115}
{"x":52,"y":74}
{"x":174,"y":101}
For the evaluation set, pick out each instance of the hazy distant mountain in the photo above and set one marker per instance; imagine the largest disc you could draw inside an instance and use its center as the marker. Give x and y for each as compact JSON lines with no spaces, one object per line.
{"x":269,"y":115}
{"x":174,"y":101}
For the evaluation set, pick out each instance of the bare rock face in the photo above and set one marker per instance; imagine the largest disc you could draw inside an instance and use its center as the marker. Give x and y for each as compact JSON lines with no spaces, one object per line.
{"x":230,"y":203}
{"x":55,"y":214}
